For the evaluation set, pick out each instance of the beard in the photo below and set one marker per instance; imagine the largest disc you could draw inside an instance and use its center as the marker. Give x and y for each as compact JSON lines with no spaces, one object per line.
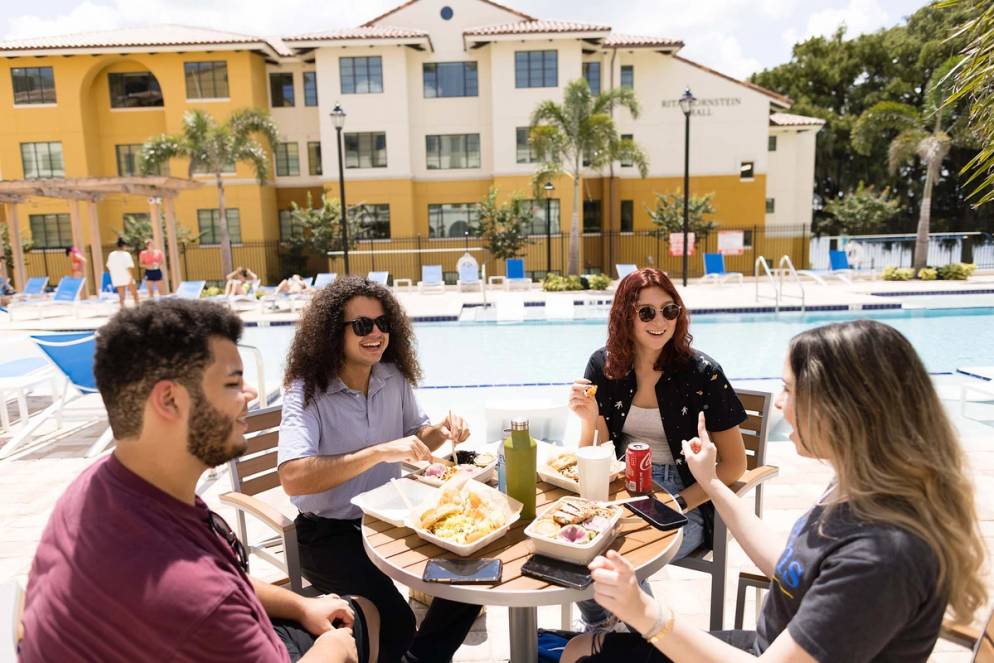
{"x":209,"y":432}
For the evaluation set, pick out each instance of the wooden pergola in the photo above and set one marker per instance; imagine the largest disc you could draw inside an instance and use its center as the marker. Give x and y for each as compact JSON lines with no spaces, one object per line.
{"x":160,"y":191}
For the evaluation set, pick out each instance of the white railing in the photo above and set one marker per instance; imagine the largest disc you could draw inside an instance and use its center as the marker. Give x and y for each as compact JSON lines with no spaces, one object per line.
{"x":786,"y":266}
{"x":761,"y":264}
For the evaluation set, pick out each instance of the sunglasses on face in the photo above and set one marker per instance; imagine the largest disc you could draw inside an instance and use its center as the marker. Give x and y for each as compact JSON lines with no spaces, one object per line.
{"x":220,"y":527}
{"x":363,"y":326}
{"x":647,"y":312}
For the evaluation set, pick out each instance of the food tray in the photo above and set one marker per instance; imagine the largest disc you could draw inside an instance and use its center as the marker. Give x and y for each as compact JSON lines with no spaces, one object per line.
{"x":386,"y":504}
{"x":549,"y":475}
{"x":573,"y":552}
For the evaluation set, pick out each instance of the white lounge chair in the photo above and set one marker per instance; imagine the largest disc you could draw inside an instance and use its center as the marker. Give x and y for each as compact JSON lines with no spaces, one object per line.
{"x":379,"y":277}
{"x":714,"y":269}
{"x":624,"y":269}
{"x":984,"y":384}
{"x":67,"y":293}
{"x":324,"y":278}
{"x":469,"y":274}
{"x":432,"y":280}
{"x":18,"y":377}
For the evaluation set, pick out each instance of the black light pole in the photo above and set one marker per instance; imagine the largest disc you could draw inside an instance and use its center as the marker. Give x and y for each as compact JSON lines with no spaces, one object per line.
{"x":338,"y":118}
{"x":687,"y":106}
{"x":548,"y":226}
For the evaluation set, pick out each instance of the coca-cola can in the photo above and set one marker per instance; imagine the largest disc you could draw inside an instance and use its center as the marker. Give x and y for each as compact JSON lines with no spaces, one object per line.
{"x":638,"y":468}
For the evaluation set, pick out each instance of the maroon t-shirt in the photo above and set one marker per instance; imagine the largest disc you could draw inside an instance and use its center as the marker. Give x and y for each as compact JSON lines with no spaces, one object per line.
{"x":125,"y":572}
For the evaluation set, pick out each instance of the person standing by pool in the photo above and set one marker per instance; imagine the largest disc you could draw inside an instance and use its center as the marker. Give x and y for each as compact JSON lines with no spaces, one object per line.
{"x":151,"y":259}
{"x":650,"y":386}
{"x":350,"y":416}
{"x":77,"y":262}
{"x":120,"y":264}
{"x":867,"y":573}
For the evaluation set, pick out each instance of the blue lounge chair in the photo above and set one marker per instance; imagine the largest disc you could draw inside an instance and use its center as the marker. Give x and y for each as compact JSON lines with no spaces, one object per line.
{"x":19,"y":376}
{"x":839,"y":268}
{"x":432,"y":280}
{"x":68,"y":292}
{"x":33,"y":289}
{"x":514,"y":275}
{"x":379,"y":277}
{"x":624,"y":269}
{"x":189,"y":289}
{"x":714,"y":269}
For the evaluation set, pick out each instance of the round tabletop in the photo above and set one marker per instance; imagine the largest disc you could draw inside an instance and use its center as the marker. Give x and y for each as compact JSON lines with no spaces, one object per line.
{"x":402,"y":555}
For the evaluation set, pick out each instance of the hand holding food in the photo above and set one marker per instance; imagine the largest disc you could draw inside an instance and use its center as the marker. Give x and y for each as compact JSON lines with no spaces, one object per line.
{"x":582,"y":400}
{"x":701,"y":454}
{"x":454,"y":428}
{"x":408,"y":448}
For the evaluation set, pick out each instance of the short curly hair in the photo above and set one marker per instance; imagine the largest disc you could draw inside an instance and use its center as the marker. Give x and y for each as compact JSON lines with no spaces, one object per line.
{"x":164,"y":340}
{"x":318,"y":347}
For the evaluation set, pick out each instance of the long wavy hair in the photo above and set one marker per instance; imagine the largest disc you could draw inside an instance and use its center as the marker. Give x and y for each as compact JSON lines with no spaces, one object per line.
{"x":864,"y":401}
{"x":317,"y":352}
{"x":620,"y":336}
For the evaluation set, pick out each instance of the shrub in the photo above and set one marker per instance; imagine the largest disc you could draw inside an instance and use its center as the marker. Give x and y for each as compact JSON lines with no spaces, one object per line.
{"x":599,"y":281}
{"x":898,"y":274}
{"x":956,"y":271}
{"x":213,"y":291}
{"x":927,"y":274}
{"x":554,"y":283}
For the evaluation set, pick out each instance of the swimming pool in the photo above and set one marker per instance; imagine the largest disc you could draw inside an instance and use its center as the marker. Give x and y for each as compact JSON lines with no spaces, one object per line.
{"x":749,"y":346}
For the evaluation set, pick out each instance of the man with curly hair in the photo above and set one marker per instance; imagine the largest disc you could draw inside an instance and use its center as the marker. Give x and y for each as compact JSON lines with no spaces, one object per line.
{"x":132,"y":565}
{"x":350,"y":416}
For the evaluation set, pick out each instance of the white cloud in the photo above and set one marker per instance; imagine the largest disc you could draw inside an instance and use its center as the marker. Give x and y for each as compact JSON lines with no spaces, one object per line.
{"x":859,"y":16}
{"x":86,"y":17}
{"x":721,"y":52}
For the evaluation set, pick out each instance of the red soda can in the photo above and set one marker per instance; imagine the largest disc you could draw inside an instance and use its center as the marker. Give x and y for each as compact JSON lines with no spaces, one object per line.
{"x":638,"y":468}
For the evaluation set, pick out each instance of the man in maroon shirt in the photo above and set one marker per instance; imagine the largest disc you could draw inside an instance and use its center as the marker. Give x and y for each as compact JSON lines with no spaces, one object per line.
{"x":132,"y":565}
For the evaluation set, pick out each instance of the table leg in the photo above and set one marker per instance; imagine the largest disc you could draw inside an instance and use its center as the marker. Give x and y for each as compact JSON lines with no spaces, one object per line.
{"x":523,"y":631}
{"x":4,"y":417}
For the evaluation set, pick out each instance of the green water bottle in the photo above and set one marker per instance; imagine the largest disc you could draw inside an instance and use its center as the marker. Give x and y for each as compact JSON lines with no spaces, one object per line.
{"x":520,"y":454}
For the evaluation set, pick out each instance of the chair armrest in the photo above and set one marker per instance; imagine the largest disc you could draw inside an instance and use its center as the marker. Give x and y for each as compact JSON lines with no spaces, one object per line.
{"x":266,"y":513}
{"x":754,"y":576}
{"x":752,"y":478}
{"x":964,"y":636}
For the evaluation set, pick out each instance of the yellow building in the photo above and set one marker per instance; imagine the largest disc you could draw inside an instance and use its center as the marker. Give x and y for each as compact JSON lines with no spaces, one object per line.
{"x":437,"y":93}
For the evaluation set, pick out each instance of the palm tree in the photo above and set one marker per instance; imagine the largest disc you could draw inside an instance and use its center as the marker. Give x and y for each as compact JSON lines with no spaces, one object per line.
{"x":581,"y":132}
{"x":920,"y":133}
{"x":215,"y":148}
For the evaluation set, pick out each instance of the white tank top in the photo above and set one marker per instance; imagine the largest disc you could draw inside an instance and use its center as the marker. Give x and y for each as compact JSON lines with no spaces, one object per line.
{"x":644,"y":424}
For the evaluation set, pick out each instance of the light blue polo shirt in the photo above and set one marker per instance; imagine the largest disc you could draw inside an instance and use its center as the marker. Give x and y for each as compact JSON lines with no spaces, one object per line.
{"x":341,"y":421}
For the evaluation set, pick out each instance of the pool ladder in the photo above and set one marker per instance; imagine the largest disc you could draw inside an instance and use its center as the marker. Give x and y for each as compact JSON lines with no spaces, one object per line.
{"x":784,"y":268}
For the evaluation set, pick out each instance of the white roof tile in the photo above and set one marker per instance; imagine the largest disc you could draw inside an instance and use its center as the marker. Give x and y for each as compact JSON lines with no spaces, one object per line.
{"x":533,"y":27}
{"x":790,"y":120}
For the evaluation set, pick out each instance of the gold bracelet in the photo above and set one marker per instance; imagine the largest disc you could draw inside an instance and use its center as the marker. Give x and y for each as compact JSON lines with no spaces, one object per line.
{"x":654,"y":635}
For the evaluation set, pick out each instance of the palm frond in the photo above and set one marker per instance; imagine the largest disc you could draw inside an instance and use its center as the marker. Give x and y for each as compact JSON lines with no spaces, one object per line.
{"x":247,"y":121}
{"x":549,"y":112}
{"x":156,"y":152}
{"x":621,"y":96}
{"x":252,"y":151}
{"x":933,"y":149}
{"x":879,"y":120}
{"x":904,"y":147}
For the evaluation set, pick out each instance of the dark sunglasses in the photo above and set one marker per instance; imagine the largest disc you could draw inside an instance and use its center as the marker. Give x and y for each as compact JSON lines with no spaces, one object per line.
{"x":647,"y":312}
{"x":220,"y":527}
{"x":363,"y":326}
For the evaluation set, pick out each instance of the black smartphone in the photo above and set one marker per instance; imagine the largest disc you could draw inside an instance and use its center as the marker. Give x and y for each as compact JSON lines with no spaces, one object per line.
{"x":557,"y":572}
{"x":657,"y":514}
{"x":463,"y":571}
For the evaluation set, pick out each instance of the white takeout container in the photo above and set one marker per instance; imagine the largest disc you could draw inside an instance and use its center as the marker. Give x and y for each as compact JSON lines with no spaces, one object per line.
{"x":482,"y":474}
{"x":573,"y":552}
{"x":386,"y":503}
{"x":550,"y":475}
{"x":463,"y":549}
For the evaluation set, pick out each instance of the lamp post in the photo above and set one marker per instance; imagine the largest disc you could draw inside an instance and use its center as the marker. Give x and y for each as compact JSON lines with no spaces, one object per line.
{"x":687,"y":106}
{"x":548,"y":226}
{"x":338,"y":118}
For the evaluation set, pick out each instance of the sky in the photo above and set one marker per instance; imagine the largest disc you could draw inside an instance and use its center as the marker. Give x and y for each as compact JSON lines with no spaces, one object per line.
{"x":736,"y":37}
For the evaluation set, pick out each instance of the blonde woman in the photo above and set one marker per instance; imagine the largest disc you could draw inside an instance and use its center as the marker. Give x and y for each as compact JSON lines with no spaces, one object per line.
{"x":868,"y":573}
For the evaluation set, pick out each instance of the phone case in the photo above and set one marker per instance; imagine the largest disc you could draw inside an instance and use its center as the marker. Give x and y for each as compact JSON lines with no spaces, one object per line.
{"x":678,"y":519}
{"x":467,"y":580}
{"x":559,"y":573}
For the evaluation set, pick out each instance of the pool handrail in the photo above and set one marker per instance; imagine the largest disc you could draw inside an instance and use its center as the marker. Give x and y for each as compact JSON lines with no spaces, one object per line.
{"x":786,"y":265}
{"x":761,"y":264}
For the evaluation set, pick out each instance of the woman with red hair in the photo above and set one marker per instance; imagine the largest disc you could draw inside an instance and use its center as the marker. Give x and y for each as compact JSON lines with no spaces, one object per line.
{"x":651,"y":385}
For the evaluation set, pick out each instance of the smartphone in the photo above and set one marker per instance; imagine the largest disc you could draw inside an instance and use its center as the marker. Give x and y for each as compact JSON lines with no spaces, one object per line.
{"x":657,"y":514}
{"x":463,"y":571}
{"x":557,"y":572}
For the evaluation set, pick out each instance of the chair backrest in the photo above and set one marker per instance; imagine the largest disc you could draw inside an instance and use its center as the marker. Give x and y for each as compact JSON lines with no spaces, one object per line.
{"x":190,"y":289}
{"x":69,"y":289}
{"x":625,"y":269}
{"x":254,"y":471}
{"x":35,"y":286}
{"x":432,"y":274}
{"x":11,"y":611}
{"x":547,"y":419}
{"x":106,"y":285}
{"x":73,"y":355}
{"x":469,"y":270}
{"x":838,"y":260}
{"x":324,"y":278}
{"x":754,"y":428}
{"x":983,"y":652}
{"x":714,"y":263}
{"x":515,"y":268}
{"x":378,"y":277}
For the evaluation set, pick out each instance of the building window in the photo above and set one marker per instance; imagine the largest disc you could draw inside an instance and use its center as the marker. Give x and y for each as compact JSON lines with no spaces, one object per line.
{"x":747,"y":170}
{"x":628,"y":76}
{"x":206,"y":80}
{"x":33,"y":85}
{"x":42,"y":160}
{"x":210,"y":229}
{"x":627,"y":163}
{"x":314,"y":157}
{"x":281,"y":90}
{"x":453,"y":220}
{"x":310,"y":88}
{"x":747,"y":239}
{"x":128,"y":159}
{"x":537,"y":226}
{"x":375,"y":221}
{"x":361,"y":75}
{"x":202,"y":169}
{"x":536,"y":69}
{"x":772,"y":144}
{"x":771,"y":205}
{"x":524,"y":151}
{"x":591,"y":216}
{"x":290,"y":228}
{"x":627,"y":216}
{"x":450,"y":79}
{"x":366,"y":150}
{"x":50,"y":231}
{"x":287,"y":160}
{"x":592,"y":72}
{"x":453,"y":151}
{"x":137,"y":90}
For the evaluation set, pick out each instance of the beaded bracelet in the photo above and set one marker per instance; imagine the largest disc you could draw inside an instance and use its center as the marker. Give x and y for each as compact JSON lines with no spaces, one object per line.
{"x":660,"y":628}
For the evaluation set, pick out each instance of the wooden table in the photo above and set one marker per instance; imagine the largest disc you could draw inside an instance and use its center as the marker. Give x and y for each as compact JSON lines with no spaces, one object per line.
{"x":401,"y":554}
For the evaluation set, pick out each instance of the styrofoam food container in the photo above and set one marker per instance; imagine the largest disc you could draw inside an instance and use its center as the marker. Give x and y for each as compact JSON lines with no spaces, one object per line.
{"x":482,"y":474}
{"x":573,"y":552}
{"x":549,"y":475}
{"x":386,"y":503}
{"x":464,"y":549}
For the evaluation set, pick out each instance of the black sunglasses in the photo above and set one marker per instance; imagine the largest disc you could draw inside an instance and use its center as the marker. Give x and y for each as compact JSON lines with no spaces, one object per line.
{"x":647,"y":312}
{"x":363,"y":326}
{"x":220,"y":527}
